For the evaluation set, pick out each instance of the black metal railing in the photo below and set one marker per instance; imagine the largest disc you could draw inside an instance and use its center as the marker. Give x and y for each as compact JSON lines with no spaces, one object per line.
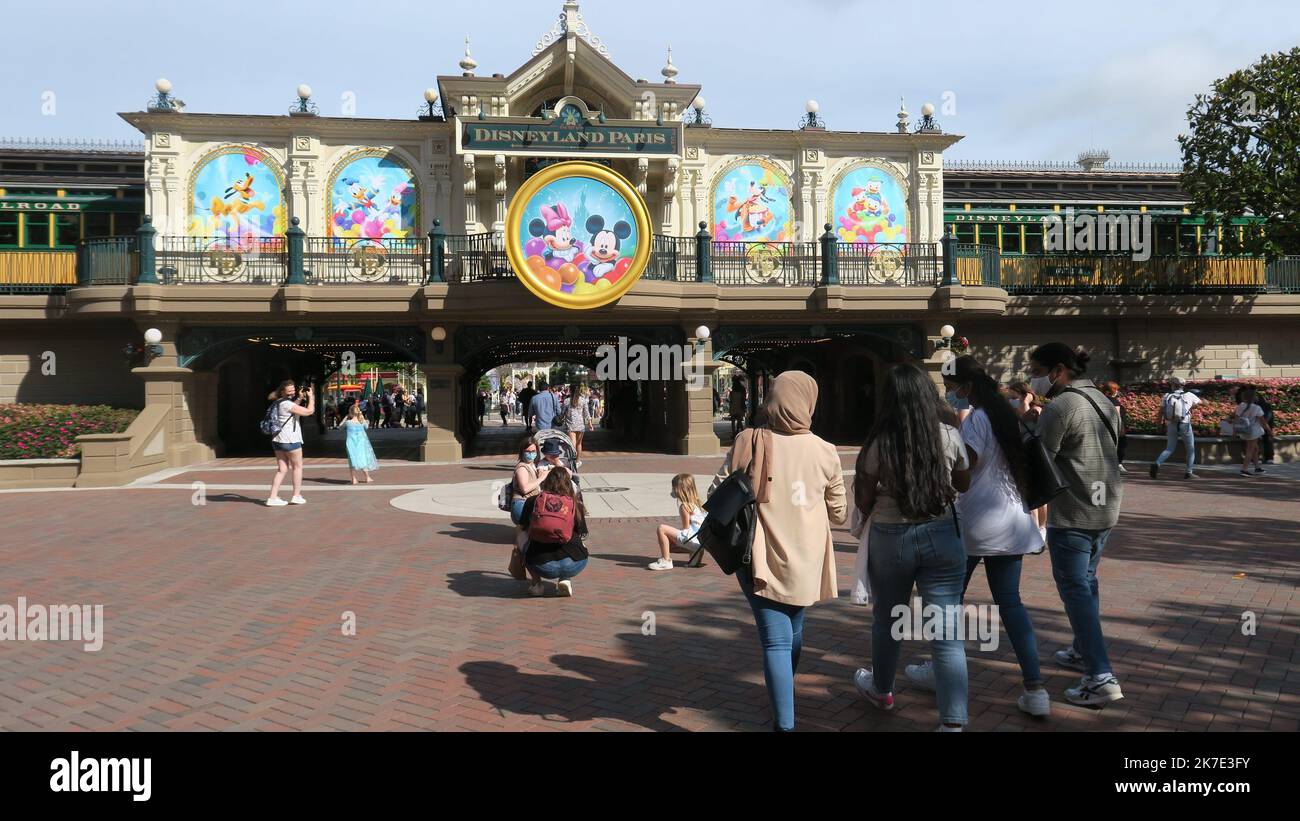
{"x":672,"y":259}
{"x":910,"y":264}
{"x":110,"y":261}
{"x":477,"y":258}
{"x":765,"y":263}
{"x":350,"y":261}
{"x":220,"y":260}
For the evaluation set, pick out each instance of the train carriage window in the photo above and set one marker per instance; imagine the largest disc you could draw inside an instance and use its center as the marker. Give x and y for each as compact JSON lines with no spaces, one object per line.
{"x":98,"y":224}
{"x":1034,"y":238}
{"x":37,"y":230}
{"x":67,"y":230}
{"x":8,"y":228}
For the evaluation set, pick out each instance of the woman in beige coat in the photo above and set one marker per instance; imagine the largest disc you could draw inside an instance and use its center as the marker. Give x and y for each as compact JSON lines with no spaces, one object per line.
{"x":800,"y":488}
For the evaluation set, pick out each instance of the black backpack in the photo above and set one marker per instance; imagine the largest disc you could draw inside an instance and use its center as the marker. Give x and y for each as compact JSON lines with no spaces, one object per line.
{"x":268,"y":426}
{"x":727,"y":532}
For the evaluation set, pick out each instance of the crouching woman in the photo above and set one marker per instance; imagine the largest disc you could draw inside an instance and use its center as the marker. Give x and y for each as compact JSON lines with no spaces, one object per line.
{"x":555,"y":523}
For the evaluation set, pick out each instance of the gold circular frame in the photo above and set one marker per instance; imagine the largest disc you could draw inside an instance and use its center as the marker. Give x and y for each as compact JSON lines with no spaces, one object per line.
{"x":598,"y":173}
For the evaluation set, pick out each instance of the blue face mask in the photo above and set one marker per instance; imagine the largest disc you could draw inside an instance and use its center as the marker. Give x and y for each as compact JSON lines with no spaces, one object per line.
{"x":530,"y":456}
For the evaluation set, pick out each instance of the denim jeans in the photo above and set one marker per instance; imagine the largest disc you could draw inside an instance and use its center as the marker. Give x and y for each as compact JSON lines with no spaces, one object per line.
{"x":780,"y":632}
{"x":1179,"y":431}
{"x":931,"y":556}
{"x":516,"y":510}
{"x":1075,"y":556}
{"x":1003,"y":573}
{"x":558,"y":569}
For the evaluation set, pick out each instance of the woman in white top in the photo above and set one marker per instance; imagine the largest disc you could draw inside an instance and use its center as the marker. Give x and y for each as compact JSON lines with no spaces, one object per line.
{"x":995,"y":527}
{"x":287,"y":441}
{"x":685,"y":537}
{"x":577,"y":421}
{"x":1248,"y":411}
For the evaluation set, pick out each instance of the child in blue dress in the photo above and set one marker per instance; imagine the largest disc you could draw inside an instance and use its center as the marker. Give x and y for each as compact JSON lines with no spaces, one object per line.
{"x":361,"y":457}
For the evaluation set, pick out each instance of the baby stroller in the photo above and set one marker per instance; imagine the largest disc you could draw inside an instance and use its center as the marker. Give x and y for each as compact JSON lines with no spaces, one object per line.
{"x":568,"y":453}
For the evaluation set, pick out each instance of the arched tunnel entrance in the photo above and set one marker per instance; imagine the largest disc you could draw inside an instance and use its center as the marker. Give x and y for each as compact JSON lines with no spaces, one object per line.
{"x":848,"y":362}
{"x":634,"y":414}
{"x":251,"y":362}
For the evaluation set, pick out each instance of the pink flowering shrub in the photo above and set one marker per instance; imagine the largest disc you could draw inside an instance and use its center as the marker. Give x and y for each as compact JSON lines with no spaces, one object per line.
{"x":50,"y":431}
{"x":1142,"y":403}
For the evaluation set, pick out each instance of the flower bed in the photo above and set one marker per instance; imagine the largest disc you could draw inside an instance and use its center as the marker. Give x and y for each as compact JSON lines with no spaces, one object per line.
{"x":51,"y":431}
{"x":1142,"y":402}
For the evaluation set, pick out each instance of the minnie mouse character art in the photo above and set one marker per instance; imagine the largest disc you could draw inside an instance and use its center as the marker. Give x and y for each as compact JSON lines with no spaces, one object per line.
{"x":604,"y":248}
{"x":555,"y":228}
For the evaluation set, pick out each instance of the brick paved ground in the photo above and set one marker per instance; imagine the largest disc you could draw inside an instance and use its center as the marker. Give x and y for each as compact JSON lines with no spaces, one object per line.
{"x":227,"y":616}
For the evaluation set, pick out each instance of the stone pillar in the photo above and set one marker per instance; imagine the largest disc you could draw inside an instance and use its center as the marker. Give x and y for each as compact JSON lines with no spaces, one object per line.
{"x":692,"y":402}
{"x":469,"y":164}
{"x":499,"y":190}
{"x":442,"y":376}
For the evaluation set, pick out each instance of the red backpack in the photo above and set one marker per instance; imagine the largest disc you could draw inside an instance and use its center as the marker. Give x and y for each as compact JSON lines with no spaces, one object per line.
{"x":552,"y":519}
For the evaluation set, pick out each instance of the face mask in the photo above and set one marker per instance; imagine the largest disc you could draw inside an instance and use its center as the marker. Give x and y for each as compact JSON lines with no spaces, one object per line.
{"x":530,"y":456}
{"x":1041,"y":385}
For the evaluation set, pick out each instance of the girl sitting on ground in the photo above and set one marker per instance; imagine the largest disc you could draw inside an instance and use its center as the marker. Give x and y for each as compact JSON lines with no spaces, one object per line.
{"x":685,"y":537}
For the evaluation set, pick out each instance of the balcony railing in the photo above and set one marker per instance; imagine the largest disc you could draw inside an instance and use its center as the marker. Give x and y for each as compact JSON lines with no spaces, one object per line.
{"x":220,"y":260}
{"x":913,"y":264}
{"x":765,"y":263}
{"x":340,"y":261}
{"x":37,"y":272}
{"x":474,"y":258}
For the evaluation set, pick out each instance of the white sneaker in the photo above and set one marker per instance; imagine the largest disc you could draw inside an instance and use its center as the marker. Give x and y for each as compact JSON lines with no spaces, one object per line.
{"x":1069,"y":658}
{"x":865,"y":683}
{"x":661,"y":564}
{"x":538,"y":589}
{"x":944,"y":728}
{"x":276,"y":502}
{"x":1036,"y":702}
{"x":564,"y":588}
{"x":1095,"y":691}
{"x":922,"y":675}
{"x":297,"y":500}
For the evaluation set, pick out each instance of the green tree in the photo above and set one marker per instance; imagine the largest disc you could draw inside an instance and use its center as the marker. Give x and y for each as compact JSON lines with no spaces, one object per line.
{"x":1241,"y":156}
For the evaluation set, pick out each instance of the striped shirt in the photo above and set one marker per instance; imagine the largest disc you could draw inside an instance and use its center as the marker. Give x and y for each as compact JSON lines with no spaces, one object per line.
{"x":1084,"y":450}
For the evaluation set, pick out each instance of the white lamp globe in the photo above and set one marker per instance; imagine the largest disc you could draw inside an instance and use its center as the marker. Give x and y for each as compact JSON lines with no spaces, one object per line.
{"x":702,"y":332}
{"x":947,"y":331}
{"x":927,"y":110}
{"x":152,"y":336}
{"x":811,"y":107}
{"x":439,"y":334}
{"x":304,"y":92}
{"x":698,"y":105}
{"x":431,"y":95}
{"x":163,"y":85}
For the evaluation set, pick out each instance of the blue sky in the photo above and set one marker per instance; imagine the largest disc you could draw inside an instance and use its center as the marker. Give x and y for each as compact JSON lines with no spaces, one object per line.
{"x":1029,"y":81}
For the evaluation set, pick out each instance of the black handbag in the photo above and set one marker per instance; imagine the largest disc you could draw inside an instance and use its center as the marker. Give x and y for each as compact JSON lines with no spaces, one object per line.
{"x":1045,"y":479}
{"x":727,"y":532}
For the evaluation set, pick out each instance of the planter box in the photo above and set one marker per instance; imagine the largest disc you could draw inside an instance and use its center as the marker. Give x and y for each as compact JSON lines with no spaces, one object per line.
{"x":1210,"y":450}
{"x":37,"y":473}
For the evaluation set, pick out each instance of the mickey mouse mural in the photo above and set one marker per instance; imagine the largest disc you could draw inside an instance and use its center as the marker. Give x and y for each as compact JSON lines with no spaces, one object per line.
{"x":578,"y":235}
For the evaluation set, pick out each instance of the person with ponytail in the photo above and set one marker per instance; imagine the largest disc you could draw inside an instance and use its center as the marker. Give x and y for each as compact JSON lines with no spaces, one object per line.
{"x":909,"y":473}
{"x":995,"y":527}
{"x":1080,"y":428}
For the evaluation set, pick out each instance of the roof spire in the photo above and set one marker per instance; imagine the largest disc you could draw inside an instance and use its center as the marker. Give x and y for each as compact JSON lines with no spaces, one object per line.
{"x":468,"y":63}
{"x":669,"y":70}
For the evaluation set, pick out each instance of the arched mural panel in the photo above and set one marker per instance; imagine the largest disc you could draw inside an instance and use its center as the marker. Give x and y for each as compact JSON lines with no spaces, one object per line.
{"x":237,"y":191}
{"x":869,"y":204}
{"x":752,"y":201}
{"x":372,"y":195}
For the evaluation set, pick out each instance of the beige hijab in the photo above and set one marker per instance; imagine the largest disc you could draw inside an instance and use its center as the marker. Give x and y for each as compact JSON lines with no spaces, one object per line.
{"x":789,"y":407}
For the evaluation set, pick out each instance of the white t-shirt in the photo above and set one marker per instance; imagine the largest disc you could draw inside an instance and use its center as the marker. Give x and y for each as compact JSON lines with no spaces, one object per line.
{"x":1253,"y":413}
{"x":994,"y":521}
{"x":290,"y":429}
{"x":1179,"y":405}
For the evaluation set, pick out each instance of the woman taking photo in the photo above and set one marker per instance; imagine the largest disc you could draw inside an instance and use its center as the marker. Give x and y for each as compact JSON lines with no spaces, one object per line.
{"x":555,"y":560}
{"x":1079,"y":427}
{"x":908,"y":474}
{"x":287,"y":441}
{"x":800,"y":488}
{"x":995,"y":527}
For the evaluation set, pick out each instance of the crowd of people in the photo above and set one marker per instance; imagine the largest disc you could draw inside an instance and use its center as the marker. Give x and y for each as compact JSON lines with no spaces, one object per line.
{"x":392,"y":407}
